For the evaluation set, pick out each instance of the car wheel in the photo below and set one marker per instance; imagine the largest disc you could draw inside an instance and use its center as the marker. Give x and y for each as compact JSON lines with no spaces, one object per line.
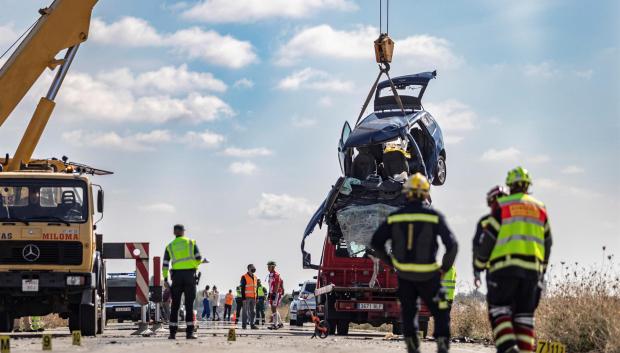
{"x":441,"y":171}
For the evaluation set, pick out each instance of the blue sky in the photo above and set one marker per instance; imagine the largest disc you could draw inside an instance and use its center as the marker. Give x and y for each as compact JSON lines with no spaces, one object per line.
{"x":224,"y":115}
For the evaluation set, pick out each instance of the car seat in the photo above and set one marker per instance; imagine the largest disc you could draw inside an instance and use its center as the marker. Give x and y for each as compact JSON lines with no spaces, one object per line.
{"x":364,"y":165}
{"x":394,"y":163}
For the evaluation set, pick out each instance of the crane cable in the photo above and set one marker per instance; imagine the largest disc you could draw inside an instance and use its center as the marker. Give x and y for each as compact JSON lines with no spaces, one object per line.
{"x":19,"y":38}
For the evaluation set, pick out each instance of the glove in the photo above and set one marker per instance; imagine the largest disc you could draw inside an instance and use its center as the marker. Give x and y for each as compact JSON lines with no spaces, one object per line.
{"x":477,"y":281}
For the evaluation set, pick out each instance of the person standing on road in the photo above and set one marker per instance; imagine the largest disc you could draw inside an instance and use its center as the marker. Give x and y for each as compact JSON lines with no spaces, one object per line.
{"x":228,"y":302}
{"x":185,"y":257}
{"x":413,"y":231}
{"x":215,"y":303}
{"x":238,"y":304}
{"x":276,"y":289}
{"x":248,"y":293}
{"x":206,"y":307}
{"x":514,"y":249}
{"x":261,"y":294}
{"x":495,"y":193}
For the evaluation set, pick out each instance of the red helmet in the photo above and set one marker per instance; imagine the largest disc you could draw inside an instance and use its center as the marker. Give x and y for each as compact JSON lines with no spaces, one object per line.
{"x":495,"y":193}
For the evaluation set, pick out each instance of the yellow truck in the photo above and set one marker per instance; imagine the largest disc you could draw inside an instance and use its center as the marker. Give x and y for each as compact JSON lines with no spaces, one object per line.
{"x":50,"y":255}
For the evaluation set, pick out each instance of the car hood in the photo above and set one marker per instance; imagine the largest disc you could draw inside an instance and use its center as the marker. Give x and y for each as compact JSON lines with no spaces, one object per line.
{"x":377,"y":128}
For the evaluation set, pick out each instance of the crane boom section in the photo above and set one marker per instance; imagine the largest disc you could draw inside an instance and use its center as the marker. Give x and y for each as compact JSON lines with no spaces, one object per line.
{"x":63,"y":24}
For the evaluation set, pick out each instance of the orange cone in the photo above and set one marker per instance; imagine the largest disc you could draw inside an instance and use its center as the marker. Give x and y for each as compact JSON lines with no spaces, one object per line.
{"x":234,"y":317}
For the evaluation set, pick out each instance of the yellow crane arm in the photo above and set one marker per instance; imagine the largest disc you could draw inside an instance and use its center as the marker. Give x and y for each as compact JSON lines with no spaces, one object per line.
{"x":62,"y":25}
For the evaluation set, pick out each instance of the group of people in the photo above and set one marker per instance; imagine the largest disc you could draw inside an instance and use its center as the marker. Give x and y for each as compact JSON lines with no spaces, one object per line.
{"x":512,"y":245}
{"x":182,"y":258}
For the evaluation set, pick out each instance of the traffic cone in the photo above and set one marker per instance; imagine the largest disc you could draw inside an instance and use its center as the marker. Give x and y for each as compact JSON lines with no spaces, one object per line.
{"x":234,"y":317}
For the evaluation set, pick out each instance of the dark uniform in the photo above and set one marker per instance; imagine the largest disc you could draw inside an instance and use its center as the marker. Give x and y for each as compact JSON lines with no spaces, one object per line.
{"x":413,"y":231}
{"x":185,"y":257}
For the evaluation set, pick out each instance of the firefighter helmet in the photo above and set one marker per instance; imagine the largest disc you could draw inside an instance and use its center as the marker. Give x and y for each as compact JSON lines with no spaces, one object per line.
{"x":416,"y":187}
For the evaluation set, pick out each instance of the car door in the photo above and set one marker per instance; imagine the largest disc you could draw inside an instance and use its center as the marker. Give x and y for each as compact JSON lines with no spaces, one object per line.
{"x":426,"y":142}
{"x":345,"y":154}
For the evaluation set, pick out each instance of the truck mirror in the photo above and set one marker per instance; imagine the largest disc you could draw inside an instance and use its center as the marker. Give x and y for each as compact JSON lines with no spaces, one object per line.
{"x":100,"y":201}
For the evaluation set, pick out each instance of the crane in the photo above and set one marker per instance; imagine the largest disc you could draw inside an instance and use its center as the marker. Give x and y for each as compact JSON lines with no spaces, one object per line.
{"x":62,"y":25}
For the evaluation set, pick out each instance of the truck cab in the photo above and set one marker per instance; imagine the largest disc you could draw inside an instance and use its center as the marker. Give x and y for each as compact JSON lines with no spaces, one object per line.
{"x":50,"y":256}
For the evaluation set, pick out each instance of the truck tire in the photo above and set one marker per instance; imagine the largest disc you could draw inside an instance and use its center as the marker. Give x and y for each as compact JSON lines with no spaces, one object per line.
{"x":343,"y":328}
{"x":89,"y":317}
{"x":74,"y":319}
{"x":332,"y":326}
{"x":6,"y":322}
{"x":101,"y":320}
{"x":397,"y":328}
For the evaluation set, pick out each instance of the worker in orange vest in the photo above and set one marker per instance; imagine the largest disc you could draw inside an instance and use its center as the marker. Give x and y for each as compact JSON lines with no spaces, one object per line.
{"x":248,"y":294}
{"x":228,"y":302}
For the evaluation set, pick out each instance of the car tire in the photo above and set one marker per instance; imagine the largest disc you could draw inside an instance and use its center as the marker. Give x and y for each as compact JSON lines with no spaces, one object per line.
{"x":441,"y":171}
{"x":343,"y":328}
{"x":6,"y":322}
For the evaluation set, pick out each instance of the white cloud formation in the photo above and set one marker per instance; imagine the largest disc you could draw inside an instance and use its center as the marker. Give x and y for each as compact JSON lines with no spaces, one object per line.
{"x":159,"y":207}
{"x":243,"y":83}
{"x":278,"y":207}
{"x":247,"y":152}
{"x":303,"y":122}
{"x":453,"y":115}
{"x":553,"y":185}
{"x":323,"y":41}
{"x":203,"y":139}
{"x":243,"y":168}
{"x":193,"y":42}
{"x":544,"y":69}
{"x":223,"y":11}
{"x":326,"y":102}
{"x":507,"y":154}
{"x":142,"y":141}
{"x":310,"y":78}
{"x":572,"y":169}
{"x":121,"y":96}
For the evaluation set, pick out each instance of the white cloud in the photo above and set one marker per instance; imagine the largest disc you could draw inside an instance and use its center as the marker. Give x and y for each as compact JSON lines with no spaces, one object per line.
{"x":244,"y":168}
{"x":8,"y":35}
{"x":310,"y":78}
{"x":554,"y":185}
{"x":585,"y":74}
{"x":572,"y":169}
{"x":243,"y":83}
{"x":544,"y":69}
{"x":193,"y":42}
{"x":326,"y":102}
{"x":303,"y":122}
{"x":278,"y":207}
{"x":204,"y":139}
{"x":142,"y":141}
{"x":453,"y":115}
{"x":127,"y":99}
{"x":247,"y":152}
{"x":452,"y":139}
{"x":222,"y":11}
{"x":507,"y":154}
{"x":323,"y":41}
{"x":159,"y":207}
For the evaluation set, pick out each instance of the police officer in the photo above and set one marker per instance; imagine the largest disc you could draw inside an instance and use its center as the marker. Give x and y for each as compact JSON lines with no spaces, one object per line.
{"x":495,"y":193}
{"x":514,"y":248}
{"x":413,"y":231}
{"x":185,"y":258}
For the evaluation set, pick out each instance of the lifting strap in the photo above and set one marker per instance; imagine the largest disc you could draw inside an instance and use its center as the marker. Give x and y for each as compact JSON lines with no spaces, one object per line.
{"x":382,"y":70}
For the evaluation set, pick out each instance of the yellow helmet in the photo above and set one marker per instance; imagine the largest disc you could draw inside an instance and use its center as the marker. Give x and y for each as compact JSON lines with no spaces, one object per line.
{"x":417,"y":186}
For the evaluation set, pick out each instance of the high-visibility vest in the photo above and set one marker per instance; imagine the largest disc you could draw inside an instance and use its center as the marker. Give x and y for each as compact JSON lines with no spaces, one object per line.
{"x":250,"y":286}
{"x":36,"y":323}
{"x":228,"y":299}
{"x":410,"y":218}
{"x":238,"y":292}
{"x":448,"y":281}
{"x":181,"y":252}
{"x":521,"y":237}
{"x":261,"y":291}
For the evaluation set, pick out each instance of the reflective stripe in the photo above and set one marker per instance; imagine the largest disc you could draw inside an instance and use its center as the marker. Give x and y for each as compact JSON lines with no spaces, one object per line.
{"x":479,"y":264}
{"x":511,"y":220}
{"x":493,"y":223}
{"x":413,"y":217}
{"x":172,"y":324}
{"x":526,"y":338}
{"x":504,"y":338}
{"x":414,"y":267}
{"x":508,"y":261}
{"x":503,"y":325}
{"x":522,"y":237}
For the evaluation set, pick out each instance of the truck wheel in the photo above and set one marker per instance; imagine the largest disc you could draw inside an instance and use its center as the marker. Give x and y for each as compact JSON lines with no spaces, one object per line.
{"x":332,"y":326}
{"x":89,"y":318}
{"x":6,"y":322}
{"x":343,"y":328}
{"x":397,"y":328}
{"x":101,"y":321}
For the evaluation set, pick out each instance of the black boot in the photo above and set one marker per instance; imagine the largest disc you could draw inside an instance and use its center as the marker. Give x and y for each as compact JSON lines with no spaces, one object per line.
{"x":443,"y":344}
{"x":413,"y":344}
{"x":189,"y":333}
{"x":173,"y":333}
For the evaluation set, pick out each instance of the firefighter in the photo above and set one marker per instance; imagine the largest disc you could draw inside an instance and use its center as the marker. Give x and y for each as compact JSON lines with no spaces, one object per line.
{"x":261,"y":293}
{"x":496,"y":192}
{"x":413,"y":231}
{"x":514,"y":249}
{"x":185,"y":257}
{"x":448,"y":283}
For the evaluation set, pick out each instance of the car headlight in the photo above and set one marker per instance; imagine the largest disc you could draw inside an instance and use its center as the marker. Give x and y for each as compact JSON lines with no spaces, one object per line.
{"x":76,"y":280}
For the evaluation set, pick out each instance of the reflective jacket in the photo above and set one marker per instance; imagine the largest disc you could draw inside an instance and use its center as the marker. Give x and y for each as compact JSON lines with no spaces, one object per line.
{"x":480,"y":226}
{"x":414,"y":231}
{"x":448,"y":282}
{"x":183,"y":253}
{"x":517,"y":239}
{"x":261,"y":291}
{"x":248,"y":286}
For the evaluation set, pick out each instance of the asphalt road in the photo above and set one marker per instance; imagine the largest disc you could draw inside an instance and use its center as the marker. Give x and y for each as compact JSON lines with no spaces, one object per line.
{"x":213,"y":337}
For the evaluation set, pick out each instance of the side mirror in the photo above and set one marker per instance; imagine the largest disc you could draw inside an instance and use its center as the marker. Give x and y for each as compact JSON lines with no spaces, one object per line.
{"x":100,"y":201}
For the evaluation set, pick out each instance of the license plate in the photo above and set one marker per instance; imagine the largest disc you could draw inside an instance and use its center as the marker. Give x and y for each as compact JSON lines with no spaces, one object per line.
{"x":30,"y":285}
{"x":369,"y":306}
{"x":122,"y":309}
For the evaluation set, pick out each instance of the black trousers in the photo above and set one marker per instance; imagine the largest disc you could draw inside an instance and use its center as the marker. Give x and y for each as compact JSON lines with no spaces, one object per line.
{"x":227,"y":310}
{"x":512,"y":303}
{"x":239,"y":303}
{"x":183,"y":283}
{"x":409,"y":292}
{"x":260,"y":309}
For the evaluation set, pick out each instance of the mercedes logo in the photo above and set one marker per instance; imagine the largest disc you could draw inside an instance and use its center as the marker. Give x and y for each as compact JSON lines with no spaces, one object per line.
{"x":31,"y":253}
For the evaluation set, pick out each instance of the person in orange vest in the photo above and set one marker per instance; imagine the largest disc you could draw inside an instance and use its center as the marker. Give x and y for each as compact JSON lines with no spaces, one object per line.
{"x":228,"y":302}
{"x":248,"y":294}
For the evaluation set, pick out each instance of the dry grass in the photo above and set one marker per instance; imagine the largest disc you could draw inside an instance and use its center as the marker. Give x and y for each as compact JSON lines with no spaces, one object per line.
{"x":53,"y":321}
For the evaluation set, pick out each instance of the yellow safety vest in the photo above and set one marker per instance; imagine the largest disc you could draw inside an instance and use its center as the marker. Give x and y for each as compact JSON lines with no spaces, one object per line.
{"x":182,"y":255}
{"x":448,"y":281}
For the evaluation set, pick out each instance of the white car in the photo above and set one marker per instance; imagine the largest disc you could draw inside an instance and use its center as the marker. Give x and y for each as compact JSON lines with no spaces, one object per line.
{"x":303,"y":302}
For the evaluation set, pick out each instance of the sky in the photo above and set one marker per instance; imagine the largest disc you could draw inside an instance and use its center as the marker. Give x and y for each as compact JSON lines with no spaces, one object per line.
{"x":225,"y":116}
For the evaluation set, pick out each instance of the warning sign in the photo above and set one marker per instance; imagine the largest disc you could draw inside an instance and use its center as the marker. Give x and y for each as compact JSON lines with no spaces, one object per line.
{"x":5,"y":344}
{"x":77,"y":338}
{"x":47,"y":342}
{"x":550,"y":347}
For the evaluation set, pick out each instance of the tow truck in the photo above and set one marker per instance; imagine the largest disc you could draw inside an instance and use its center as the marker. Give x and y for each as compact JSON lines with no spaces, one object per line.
{"x":50,"y":255}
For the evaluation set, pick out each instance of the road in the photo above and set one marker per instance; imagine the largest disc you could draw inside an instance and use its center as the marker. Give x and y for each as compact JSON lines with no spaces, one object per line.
{"x":213,"y":337}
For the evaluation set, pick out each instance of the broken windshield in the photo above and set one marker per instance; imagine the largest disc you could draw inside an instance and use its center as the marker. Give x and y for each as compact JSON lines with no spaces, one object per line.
{"x":43,"y":200}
